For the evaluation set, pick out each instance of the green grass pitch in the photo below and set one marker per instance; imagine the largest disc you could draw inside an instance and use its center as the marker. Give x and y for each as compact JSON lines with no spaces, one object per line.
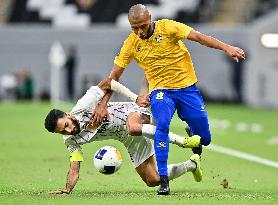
{"x":34,"y":162}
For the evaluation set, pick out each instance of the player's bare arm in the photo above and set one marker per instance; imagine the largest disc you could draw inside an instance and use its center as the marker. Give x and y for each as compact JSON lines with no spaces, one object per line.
{"x":108,"y":86}
{"x":105,"y":85}
{"x":234,"y":52}
{"x":101,"y":111}
{"x":72,"y":178}
{"x":112,"y":82}
{"x":143,"y":100}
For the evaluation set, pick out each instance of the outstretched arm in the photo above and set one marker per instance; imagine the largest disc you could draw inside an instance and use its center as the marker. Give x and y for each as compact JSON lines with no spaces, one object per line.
{"x":234,"y":52}
{"x":72,"y":179}
{"x":142,"y":101}
{"x":121,"y":89}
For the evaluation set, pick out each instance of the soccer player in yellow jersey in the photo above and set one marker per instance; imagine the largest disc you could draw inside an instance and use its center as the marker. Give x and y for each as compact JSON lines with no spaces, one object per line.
{"x":158,"y":49}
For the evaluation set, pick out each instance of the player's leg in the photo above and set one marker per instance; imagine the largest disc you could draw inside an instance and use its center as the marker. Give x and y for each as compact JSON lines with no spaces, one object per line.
{"x":145,"y":164}
{"x":200,"y":126}
{"x":138,"y":124}
{"x":195,"y":150}
{"x":163,"y":109}
{"x":191,"y":109}
{"x":149,"y":131}
{"x":149,"y":174}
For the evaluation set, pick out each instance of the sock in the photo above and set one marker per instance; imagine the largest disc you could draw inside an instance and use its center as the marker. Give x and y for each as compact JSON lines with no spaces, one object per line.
{"x":176,"y":139}
{"x":149,"y":131}
{"x":164,"y":181}
{"x":176,"y":170}
{"x":161,"y":148}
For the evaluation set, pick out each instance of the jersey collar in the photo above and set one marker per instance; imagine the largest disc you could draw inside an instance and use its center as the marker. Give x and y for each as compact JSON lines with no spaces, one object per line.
{"x":153,"y":27}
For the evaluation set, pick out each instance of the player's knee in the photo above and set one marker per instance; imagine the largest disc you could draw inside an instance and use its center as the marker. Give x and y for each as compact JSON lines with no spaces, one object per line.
{"x":152,"y":182}
{"x":163,"y":126}
{"x":134,"y":130}
{"x":133,"y":124}
{"x":206,"y":140}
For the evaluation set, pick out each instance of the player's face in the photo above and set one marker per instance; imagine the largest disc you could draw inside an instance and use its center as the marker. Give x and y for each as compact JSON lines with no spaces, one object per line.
{"x":68,"y":125}
{"x":142,"y":26}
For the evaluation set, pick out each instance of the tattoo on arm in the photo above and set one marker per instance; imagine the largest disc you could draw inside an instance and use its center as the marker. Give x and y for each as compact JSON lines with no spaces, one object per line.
{"x":73,"y":175}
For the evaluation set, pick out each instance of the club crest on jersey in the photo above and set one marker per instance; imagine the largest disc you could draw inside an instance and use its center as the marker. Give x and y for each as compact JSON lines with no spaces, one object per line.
{"x":158,"y":39}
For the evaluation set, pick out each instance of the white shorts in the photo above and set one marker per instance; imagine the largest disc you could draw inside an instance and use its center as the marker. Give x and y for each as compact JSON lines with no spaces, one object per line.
{"x":139,"y":148}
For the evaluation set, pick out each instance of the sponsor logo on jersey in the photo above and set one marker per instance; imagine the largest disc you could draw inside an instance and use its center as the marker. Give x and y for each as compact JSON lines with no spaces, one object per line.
{"x":161,"y":144}
{"x":138,"y":48}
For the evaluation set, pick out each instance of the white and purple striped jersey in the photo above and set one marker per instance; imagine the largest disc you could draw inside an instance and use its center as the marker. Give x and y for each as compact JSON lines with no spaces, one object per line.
{"x":139,"y":147}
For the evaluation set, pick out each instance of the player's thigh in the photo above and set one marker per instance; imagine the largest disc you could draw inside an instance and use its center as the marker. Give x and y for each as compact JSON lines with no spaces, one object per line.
{"x":190,"y":103}
{"x":148,"y":172}
{"x":163,"y":108}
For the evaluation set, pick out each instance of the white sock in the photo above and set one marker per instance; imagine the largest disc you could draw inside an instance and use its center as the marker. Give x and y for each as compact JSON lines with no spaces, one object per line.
{"x":176,"y":139}
{"x":149,"y":131}
{"x":176,"y":170}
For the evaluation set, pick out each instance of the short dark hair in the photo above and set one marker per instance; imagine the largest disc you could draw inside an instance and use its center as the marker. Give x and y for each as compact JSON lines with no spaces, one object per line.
{"x":51,"y":119}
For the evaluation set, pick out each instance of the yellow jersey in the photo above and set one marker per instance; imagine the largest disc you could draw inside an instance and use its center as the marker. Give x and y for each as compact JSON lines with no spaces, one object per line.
{"x":164,"y":58}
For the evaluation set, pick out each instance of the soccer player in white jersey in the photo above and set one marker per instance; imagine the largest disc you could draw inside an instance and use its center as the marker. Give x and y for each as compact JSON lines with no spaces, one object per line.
{"x":128,"y":123}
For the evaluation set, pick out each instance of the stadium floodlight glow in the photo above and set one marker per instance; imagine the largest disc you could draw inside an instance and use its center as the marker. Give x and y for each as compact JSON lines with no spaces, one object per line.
{"x":270,"y":40}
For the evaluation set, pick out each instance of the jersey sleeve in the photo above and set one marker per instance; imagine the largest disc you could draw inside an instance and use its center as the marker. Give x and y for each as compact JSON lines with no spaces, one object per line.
{"x":74,"y":149}
{"x":126,"y":53}
{"x":89,"y":100}
{"x":178,"y":30}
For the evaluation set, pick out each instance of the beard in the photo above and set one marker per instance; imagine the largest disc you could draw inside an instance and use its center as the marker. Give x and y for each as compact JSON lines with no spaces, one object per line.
{"x":76,"y":129}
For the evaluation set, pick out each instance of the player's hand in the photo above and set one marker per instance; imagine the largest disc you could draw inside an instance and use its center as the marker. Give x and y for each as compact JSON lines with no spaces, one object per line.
{"x":99,"y":114}
{"x":63,"y":191}
{"x":235,"y":53}
{"x":143,"y":100}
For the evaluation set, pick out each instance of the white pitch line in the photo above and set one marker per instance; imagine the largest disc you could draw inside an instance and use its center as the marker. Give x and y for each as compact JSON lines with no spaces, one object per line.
{"x":242,"y":155}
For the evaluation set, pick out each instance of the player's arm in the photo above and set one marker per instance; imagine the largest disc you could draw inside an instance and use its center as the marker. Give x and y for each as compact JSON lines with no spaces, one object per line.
{"x":101,"y":110}
{"x":72,"y":178}
{"x":123,"y":90}
{"x":115,"y":74}
{"x":142,"y":101}
{"x":121,"y":61}
{"x":209,"y":41}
